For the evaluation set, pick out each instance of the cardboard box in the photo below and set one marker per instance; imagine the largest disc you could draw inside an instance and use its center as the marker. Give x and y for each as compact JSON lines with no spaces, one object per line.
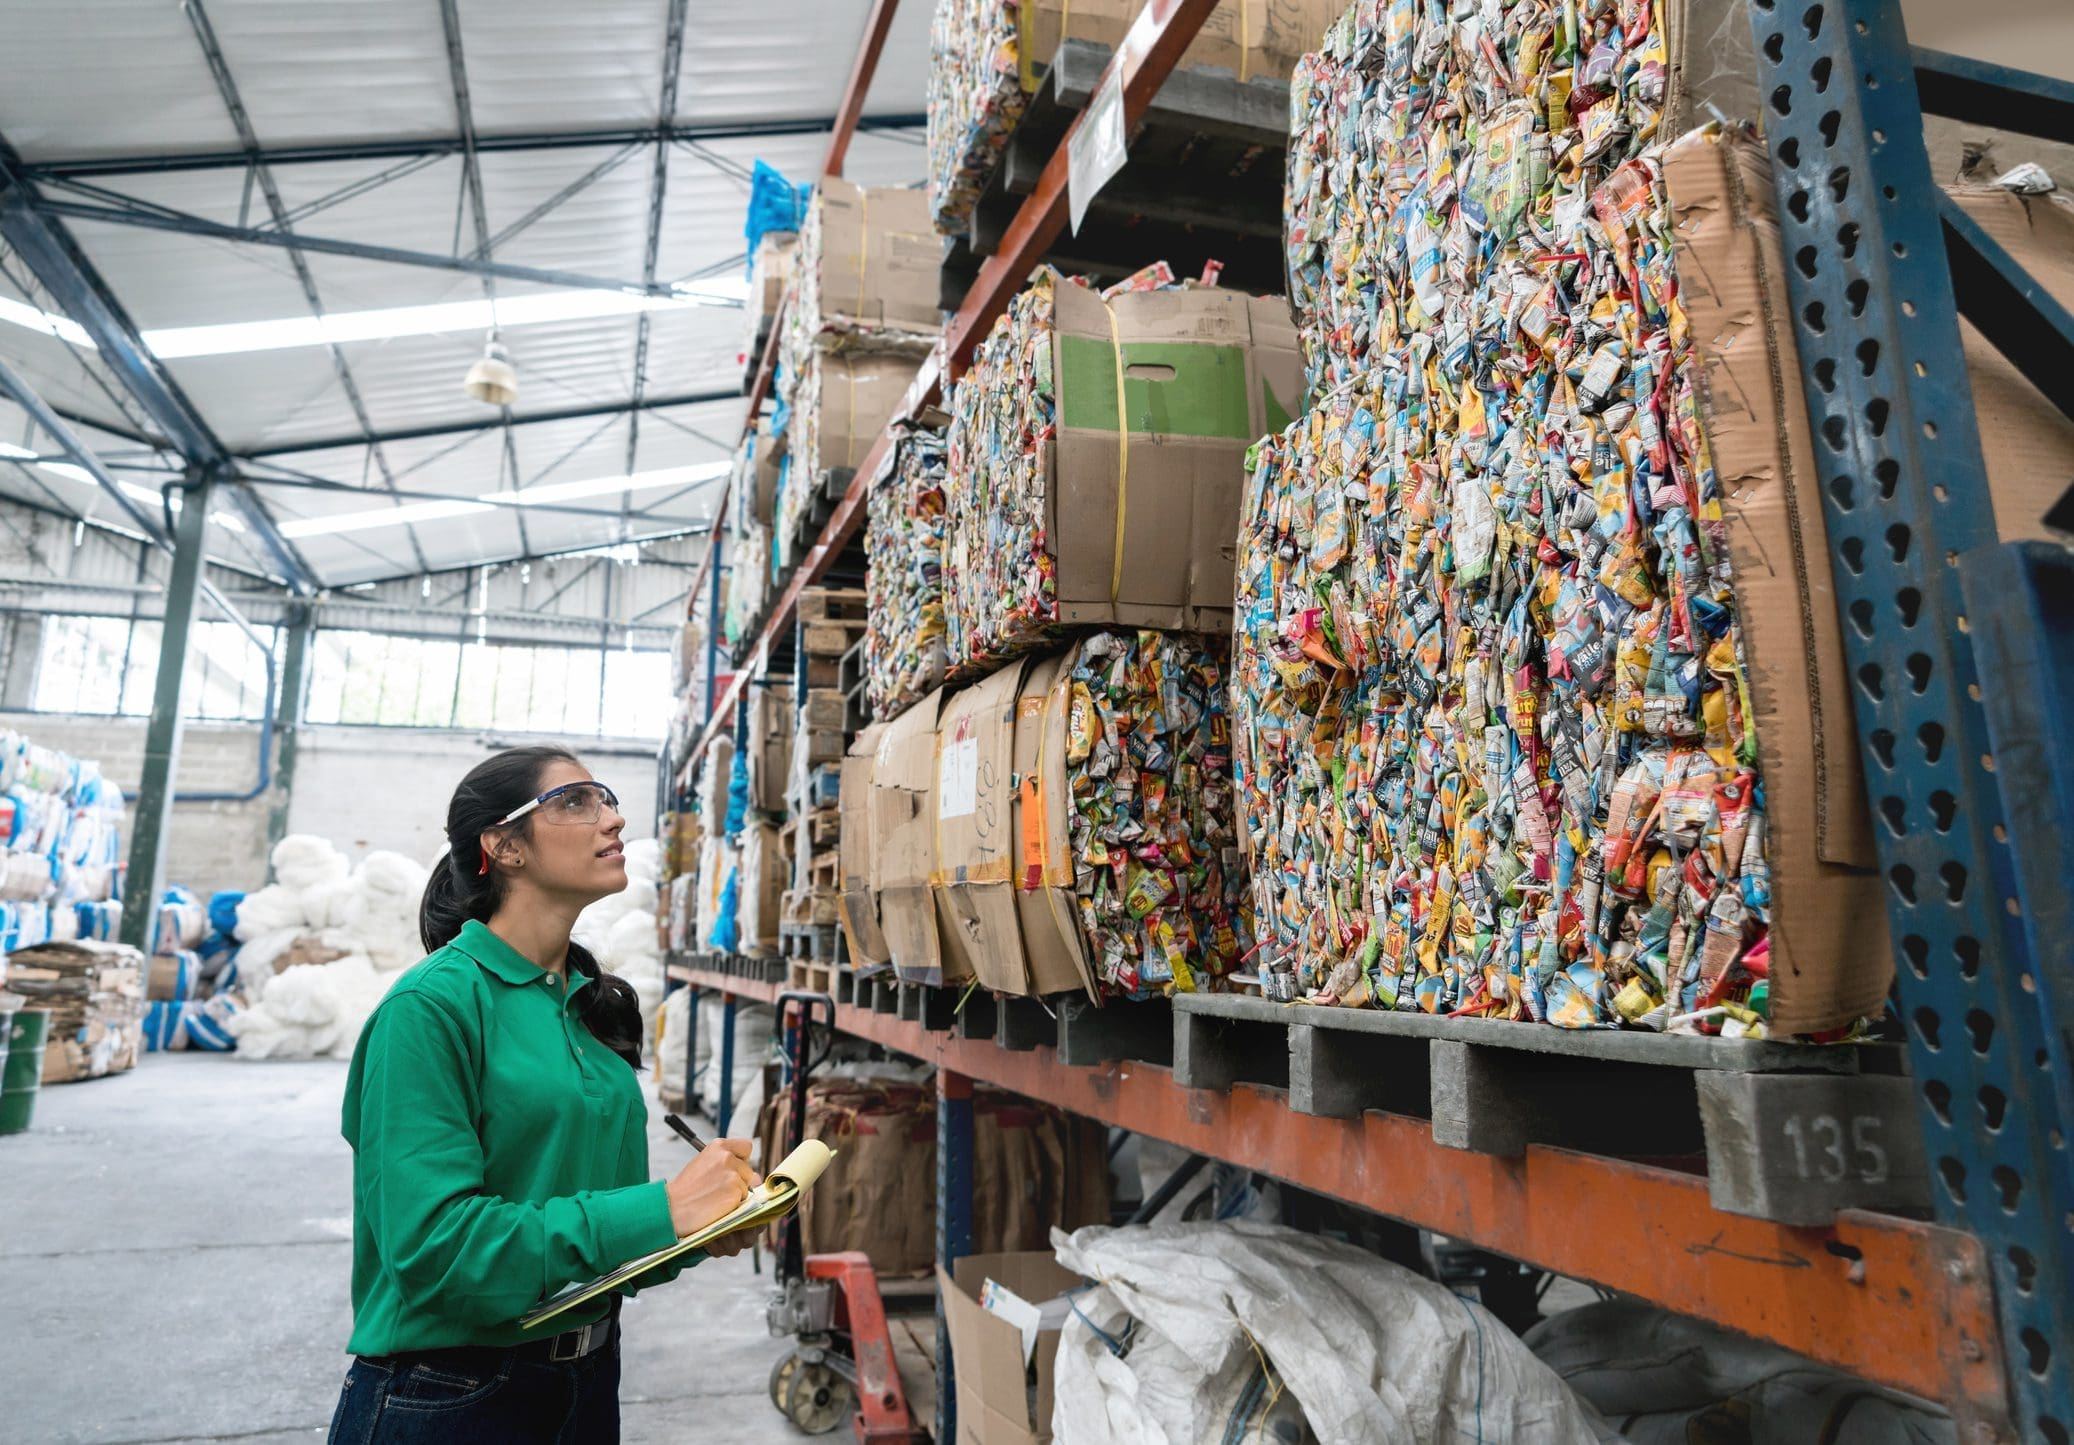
{"x":770,"y":745}
{"x":761,"y":464}
{"x":1248,"y":39}
{"x":1004,"y":882}
{"x":1831,"y":959}
{"x":855,"y":397}
{"x":825,"y":710}
{"x":858,"y":898}
{"x":903,"y":826}
{"x":1138,"y":498}
{"x":880,"y":257}
{"x":994,"y":1401}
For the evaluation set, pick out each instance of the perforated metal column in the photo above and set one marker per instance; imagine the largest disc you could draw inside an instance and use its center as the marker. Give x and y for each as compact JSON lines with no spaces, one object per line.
{"x":1905,"y":497}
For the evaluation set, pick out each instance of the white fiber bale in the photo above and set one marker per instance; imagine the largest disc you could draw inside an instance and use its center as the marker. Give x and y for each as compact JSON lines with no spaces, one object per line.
{"x":644,"y":859}
{"x":303,"y":995}
{"x":255,"y":960}
{"x":632,"y":937}
{"x":270,"y":910}
{"x":303,"y":861}
{"x":324,"y":906}
{"x":676,"y":1031}
{"x":394,"y":875}
{"x":640,"y":897}
{"x":648,"y":988}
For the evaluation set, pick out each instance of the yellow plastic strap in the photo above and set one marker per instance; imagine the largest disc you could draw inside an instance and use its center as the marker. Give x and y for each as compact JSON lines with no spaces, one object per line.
{"x":863,"y":244}
{"x":1123,"y":457}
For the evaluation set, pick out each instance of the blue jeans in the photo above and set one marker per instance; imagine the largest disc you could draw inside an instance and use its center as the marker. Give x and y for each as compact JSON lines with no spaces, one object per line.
{"x":479,"y":1397}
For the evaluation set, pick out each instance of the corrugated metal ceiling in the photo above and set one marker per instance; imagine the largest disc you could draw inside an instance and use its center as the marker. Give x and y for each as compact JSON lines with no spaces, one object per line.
{"x":129,"y":81}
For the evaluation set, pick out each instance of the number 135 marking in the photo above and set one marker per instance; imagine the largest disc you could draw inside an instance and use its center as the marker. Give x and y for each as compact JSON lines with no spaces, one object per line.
{"x":1825,"y":1136}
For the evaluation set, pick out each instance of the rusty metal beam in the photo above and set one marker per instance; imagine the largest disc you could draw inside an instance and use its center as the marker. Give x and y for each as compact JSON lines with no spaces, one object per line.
{"x":876,"y":27}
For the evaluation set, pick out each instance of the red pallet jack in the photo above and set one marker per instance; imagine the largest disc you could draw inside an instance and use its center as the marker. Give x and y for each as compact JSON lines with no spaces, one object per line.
{"x":842,"y":1363}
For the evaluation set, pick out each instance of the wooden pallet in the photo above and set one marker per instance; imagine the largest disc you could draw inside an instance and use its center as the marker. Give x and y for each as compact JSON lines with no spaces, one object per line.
{"x":809,"y":908}
{"x":829,"y":638}
{"x":802,"y":976}
{"x":826,"y":709}
{"x":824,"y":827}
{"x":826,"y":871}
{"x":815,"y":942}
{"x":1790,"y":1132}
{"x":831,"y":604}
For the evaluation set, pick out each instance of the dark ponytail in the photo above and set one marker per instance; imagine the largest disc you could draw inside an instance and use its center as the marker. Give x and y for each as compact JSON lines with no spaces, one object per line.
{"x":460,"y":889}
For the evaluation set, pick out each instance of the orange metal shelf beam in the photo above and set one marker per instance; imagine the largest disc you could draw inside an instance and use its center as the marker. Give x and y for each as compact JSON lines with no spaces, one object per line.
{"x":1902,"y":1303}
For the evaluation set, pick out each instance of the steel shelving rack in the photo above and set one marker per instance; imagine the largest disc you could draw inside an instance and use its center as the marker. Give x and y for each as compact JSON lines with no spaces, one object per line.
{"x":1962,"y":655}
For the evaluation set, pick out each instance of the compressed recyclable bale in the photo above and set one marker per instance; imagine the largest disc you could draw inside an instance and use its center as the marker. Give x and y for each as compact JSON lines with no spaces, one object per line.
{"x":761,"y":904}
{"x":867,"y":272}
{"x":903,"y":844}
{"x":771,"y":723}
{"x":1502,"y":704}
{"x":904,"y":653}
{"x":840,"y":407}
{"x":1063,"y":506}
{"x":987,"y":57}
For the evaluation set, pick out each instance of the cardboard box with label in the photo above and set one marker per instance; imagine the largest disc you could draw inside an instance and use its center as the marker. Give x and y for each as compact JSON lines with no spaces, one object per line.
{"x":903,"y":845}
{"x":1001,"y":1401}
{"x":1069,"y":504}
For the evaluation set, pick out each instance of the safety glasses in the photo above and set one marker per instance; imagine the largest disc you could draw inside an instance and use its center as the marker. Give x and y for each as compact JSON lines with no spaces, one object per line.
{"x":572,"y":803}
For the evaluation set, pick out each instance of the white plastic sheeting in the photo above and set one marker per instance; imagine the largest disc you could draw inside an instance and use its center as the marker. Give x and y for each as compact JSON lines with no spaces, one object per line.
{"x":1373,"y":1353}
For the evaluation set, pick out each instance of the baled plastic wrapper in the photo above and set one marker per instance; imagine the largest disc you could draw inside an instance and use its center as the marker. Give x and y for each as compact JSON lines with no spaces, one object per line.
{"x":1495,"y":727}
{"x":904,"y":632}
{"x":1373,"y":1353}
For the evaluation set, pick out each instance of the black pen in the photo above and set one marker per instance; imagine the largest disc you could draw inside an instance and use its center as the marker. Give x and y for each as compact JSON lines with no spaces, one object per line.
{"x":684,"y":1132}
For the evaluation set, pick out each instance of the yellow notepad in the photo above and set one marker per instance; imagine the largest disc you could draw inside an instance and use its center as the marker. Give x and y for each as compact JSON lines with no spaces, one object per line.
{"x":775,"y":1198}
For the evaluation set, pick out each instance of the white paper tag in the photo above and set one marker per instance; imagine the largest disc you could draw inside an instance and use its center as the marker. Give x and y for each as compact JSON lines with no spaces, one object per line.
{"x":957,"y":779}
{"x":1098,"y":149}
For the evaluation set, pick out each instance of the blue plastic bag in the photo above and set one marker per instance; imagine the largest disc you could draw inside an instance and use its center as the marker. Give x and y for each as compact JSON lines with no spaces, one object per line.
{"x":775,"y":204}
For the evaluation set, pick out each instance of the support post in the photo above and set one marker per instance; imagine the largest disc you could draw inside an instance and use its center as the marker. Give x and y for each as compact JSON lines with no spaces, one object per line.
{"x":953,"y":1223}
{"x":288,"y":707}
{"x":24,"y":661}
{"x":727,"y":1062}
{"x":691,"y":1048}
{"x":145,"y":880}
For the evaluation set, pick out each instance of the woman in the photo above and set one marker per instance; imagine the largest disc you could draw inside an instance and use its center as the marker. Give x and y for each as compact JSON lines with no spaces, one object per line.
{"x":499,"y":1134}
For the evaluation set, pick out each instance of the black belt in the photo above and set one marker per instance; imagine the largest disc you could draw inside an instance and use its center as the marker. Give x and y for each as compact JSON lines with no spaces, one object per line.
{"x":561,"y":1349}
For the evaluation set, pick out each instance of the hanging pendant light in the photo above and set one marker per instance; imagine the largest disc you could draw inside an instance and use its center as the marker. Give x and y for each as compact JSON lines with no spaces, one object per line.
{"x":493,"y":379}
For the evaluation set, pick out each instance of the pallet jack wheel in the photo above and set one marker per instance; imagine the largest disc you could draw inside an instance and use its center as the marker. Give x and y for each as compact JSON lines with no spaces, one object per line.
{"x":812,"y":1396}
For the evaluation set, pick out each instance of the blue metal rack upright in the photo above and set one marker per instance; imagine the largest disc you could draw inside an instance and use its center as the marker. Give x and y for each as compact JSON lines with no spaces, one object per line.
{"x":1959,"y":678}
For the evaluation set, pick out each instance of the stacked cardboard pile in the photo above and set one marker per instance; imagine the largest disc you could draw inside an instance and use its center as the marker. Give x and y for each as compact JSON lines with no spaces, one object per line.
{"x":61,"y":832}
{"x":1066,"y":504}
{"x":770,"y":276}
{"x":1065,"y":824}
{"x":861,"y":317}
{"x":94,"y":994}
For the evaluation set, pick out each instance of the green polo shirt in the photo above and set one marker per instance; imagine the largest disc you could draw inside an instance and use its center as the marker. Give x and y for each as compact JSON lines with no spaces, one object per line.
{"x":500,"y":1153}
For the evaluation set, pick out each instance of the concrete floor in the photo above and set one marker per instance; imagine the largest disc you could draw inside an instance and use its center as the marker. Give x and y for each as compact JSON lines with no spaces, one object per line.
{"x":174,"y":1264}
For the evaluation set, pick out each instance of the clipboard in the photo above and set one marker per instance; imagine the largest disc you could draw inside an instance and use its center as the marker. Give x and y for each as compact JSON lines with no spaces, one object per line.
{"x":776,"y":1197}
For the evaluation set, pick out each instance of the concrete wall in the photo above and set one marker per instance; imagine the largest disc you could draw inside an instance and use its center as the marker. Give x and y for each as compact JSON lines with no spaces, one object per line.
{"x":363,"y":788}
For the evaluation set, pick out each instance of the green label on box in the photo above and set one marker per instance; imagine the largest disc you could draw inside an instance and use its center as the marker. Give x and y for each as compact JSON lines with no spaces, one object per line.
{"x":1199,"y":390}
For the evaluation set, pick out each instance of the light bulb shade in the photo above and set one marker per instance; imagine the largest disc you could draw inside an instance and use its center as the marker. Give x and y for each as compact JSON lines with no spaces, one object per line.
{"x":493,"y":379}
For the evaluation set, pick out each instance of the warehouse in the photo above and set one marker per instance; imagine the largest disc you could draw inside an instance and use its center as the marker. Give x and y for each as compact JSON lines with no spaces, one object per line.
{"x":1006,"y":720}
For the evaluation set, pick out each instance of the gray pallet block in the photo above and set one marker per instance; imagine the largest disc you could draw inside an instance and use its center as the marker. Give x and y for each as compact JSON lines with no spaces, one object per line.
{"x":1206,"y":100}
{"x":845,"y":987}
{"x":978,"y":1019}
{"x":1122,"y":1029}
{"x":936,"y":1009}
{"x":1337,"y":1075}
{"x":1756,"y":1056}
{"x":908,"y":1003}
{"x":1797,"y":1148}
{"x":1498,"y":1101}
{"x":1213,"y":1052}
{"x":885,"y":995}
{"x":1022,"y":1024}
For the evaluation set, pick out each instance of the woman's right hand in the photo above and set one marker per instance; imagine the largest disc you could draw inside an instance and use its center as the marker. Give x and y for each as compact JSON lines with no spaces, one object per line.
{"x":712,"y":1185}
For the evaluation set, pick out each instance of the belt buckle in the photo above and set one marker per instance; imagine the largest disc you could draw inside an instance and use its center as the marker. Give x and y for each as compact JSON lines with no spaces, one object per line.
{"x":581,"y":1341}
